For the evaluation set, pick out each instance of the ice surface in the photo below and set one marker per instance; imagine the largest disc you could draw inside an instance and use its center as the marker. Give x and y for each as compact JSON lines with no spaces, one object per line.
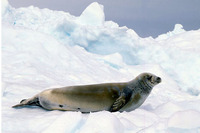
{"x":187,"y":119}
{"x":93,"y":15}
{"x":44,"y":49}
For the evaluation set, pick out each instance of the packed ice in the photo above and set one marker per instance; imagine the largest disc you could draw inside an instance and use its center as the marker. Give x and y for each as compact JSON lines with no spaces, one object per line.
{"x":44,"y":49}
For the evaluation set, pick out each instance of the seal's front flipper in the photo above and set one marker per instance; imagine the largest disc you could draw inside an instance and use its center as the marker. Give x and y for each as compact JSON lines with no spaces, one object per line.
{"x":122,"y":100}
{"x":118,"y":104}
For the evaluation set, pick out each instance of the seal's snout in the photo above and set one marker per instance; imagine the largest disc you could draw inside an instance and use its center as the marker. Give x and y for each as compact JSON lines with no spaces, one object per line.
{"x":158,"y":79}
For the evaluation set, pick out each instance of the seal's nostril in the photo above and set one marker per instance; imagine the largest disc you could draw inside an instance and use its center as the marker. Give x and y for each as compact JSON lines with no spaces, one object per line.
{"x":158,"y":79}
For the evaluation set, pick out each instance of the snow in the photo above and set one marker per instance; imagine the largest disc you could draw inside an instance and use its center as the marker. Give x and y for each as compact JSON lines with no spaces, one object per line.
{"x":44,"y":49}
{"x":186,"y":119}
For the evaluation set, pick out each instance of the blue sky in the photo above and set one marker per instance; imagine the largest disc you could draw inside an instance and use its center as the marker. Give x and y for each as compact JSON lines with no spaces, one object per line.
{"x":146,"y":17}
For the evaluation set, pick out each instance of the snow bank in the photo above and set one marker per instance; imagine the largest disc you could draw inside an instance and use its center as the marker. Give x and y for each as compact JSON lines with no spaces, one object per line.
{"x":98,"y":36}
{"x":45,"y":49}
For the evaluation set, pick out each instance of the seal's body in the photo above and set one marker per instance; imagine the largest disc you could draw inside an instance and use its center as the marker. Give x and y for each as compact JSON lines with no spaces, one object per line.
{"x":112,"y":97}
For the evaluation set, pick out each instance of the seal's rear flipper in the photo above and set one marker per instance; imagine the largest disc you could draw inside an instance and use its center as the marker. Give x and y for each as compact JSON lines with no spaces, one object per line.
{"x":18,"y":105}
{"x":34,"y":101}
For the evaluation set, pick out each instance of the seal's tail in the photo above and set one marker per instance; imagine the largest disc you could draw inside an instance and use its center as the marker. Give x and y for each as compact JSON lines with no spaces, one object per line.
{"x":34,"y":101}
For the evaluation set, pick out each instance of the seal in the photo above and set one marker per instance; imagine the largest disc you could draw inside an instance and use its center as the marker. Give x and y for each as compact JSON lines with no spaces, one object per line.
{"x":112,"y":97}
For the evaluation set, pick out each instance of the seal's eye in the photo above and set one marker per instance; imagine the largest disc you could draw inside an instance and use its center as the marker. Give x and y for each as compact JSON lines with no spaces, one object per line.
{"x":149,"y":77}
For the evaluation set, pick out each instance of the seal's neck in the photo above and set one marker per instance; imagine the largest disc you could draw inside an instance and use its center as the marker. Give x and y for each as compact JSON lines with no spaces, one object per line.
{"x":140,"y":86}
{"x":146,"y":87}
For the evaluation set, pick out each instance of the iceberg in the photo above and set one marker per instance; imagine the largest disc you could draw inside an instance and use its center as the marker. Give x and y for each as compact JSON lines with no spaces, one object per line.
{"x":93,"y":15}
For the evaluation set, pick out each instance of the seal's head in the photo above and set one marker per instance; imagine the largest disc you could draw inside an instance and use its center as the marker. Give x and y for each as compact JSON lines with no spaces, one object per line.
{"x":150,"y":79}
